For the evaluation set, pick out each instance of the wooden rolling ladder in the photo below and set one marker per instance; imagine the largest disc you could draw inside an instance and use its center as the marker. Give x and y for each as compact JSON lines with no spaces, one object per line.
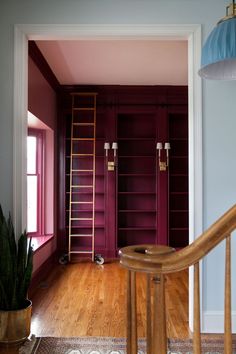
{"x":82,"y":175}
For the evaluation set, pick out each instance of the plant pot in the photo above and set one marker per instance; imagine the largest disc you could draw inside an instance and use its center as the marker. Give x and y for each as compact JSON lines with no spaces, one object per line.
{"x":15,"y":325}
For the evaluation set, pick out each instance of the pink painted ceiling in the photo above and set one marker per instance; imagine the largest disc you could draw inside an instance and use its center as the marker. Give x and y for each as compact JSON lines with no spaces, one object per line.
{"x":118,"y":62}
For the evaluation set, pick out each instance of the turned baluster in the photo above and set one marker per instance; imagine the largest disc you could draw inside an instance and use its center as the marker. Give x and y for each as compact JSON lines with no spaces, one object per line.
{"x":227,"y":313}
{"x":159,"y":343}
{"x":131,"y":314}
{"x":149,"y":316}
{"x":197,"y":324}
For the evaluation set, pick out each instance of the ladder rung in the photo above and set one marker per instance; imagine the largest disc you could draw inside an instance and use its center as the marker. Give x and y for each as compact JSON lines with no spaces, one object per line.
{"x":84,"y":124}
{"x":81,"y":170}
{"x":73,"y":186}
{"x":83,"y":139}
{"x":80,"y":235}
{"x":81,"y":252}
{"x":81,"y":202}
{"x":82,"y":154}
{"x":81,"y":218}
{"x":80,"y":192}
{"x":83,"y":109}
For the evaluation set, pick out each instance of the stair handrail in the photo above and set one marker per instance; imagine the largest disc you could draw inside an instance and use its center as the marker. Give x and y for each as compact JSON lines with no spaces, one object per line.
{"x":184,"y":258}
{"x":156,"y":261}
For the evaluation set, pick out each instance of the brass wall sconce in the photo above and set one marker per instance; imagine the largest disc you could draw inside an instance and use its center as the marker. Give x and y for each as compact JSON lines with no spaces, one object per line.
{"x":106,"y":148}
{"x":111,"y":164}
{"x":163,"y":164}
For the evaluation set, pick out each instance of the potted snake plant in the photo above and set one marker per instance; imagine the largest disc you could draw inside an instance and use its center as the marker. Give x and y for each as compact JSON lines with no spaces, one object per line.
{"x":16,"y":265}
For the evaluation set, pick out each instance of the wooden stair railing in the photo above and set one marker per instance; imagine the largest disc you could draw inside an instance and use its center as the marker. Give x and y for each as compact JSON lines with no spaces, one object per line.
{"x":157,"y":261}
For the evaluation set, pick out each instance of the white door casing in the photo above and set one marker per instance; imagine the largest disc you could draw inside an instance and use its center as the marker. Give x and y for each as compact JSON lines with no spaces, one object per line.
{"x":192,"y":33}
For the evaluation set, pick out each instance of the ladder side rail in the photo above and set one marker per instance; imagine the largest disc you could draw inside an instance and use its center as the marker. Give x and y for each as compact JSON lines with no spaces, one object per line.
{"x":94,"y":177}
{"x":71,"y":180}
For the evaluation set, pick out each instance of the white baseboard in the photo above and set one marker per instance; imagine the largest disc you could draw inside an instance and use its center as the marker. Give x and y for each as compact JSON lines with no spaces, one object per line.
{"x":213,"y":322}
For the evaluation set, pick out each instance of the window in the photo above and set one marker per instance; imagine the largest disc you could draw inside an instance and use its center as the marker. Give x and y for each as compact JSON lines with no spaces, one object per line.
{"x":35,"y":182}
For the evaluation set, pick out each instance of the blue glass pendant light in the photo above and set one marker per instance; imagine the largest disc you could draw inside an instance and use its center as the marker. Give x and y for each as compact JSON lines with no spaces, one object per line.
{"x":218,"y":60}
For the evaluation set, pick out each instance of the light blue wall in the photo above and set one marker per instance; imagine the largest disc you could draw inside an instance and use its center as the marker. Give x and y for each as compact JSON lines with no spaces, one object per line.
{"x":219,"y":108}
{"x":219,"y":123}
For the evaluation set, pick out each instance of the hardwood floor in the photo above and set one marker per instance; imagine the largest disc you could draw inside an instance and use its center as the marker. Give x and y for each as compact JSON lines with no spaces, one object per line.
{"x":85,"y":299}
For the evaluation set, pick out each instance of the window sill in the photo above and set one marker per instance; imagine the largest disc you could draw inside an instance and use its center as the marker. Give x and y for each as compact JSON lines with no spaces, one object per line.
{"x":40,"y":241}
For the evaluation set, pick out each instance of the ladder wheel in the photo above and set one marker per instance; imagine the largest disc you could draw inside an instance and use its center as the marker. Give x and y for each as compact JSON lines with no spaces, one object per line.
{"x":99,"y":259}
{"x":63,"y":259}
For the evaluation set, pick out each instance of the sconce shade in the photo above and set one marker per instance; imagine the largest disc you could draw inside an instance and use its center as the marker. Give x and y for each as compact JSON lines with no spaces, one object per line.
{"x":167,"y":146}
{"x":106,"y":146}
{"x":114,"y":146}
{"x":218,"y":60}
{"x":159,"y":146}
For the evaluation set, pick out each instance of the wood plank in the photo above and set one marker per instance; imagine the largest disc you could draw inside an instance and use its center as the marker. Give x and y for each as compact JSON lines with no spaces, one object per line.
{"x":84,"y":299}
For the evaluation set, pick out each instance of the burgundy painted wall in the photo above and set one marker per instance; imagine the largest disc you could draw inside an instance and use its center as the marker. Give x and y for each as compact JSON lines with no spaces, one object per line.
{"x":41,"y":97}
{"x":42,"y":102}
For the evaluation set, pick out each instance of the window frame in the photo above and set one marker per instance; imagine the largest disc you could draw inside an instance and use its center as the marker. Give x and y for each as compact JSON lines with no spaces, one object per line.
{"x":40,"y":173}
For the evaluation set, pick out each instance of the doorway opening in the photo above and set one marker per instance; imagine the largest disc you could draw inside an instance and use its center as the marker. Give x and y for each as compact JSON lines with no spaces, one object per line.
{"x":190,"y":32}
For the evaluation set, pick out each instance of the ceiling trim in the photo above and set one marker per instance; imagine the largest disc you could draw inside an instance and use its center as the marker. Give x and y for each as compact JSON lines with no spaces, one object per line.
{"x":92,"y":32}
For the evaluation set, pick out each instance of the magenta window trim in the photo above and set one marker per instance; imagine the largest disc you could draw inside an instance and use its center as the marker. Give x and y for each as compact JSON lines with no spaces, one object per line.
{"x":39,"y":173}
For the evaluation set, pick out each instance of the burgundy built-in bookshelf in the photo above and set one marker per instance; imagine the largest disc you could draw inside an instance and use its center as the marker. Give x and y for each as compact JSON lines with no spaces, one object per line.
{"x":136,"y":203}
{"x":178,"y":177}
{"x":137,"y":200}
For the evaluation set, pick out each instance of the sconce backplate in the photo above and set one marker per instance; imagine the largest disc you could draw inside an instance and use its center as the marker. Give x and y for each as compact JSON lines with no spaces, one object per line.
{"x":111,"y":166}
{"x":162,"y":166}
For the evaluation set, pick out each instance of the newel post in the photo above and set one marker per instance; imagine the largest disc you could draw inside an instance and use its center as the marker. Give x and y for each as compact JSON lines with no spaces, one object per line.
{"x":143,"y":258}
